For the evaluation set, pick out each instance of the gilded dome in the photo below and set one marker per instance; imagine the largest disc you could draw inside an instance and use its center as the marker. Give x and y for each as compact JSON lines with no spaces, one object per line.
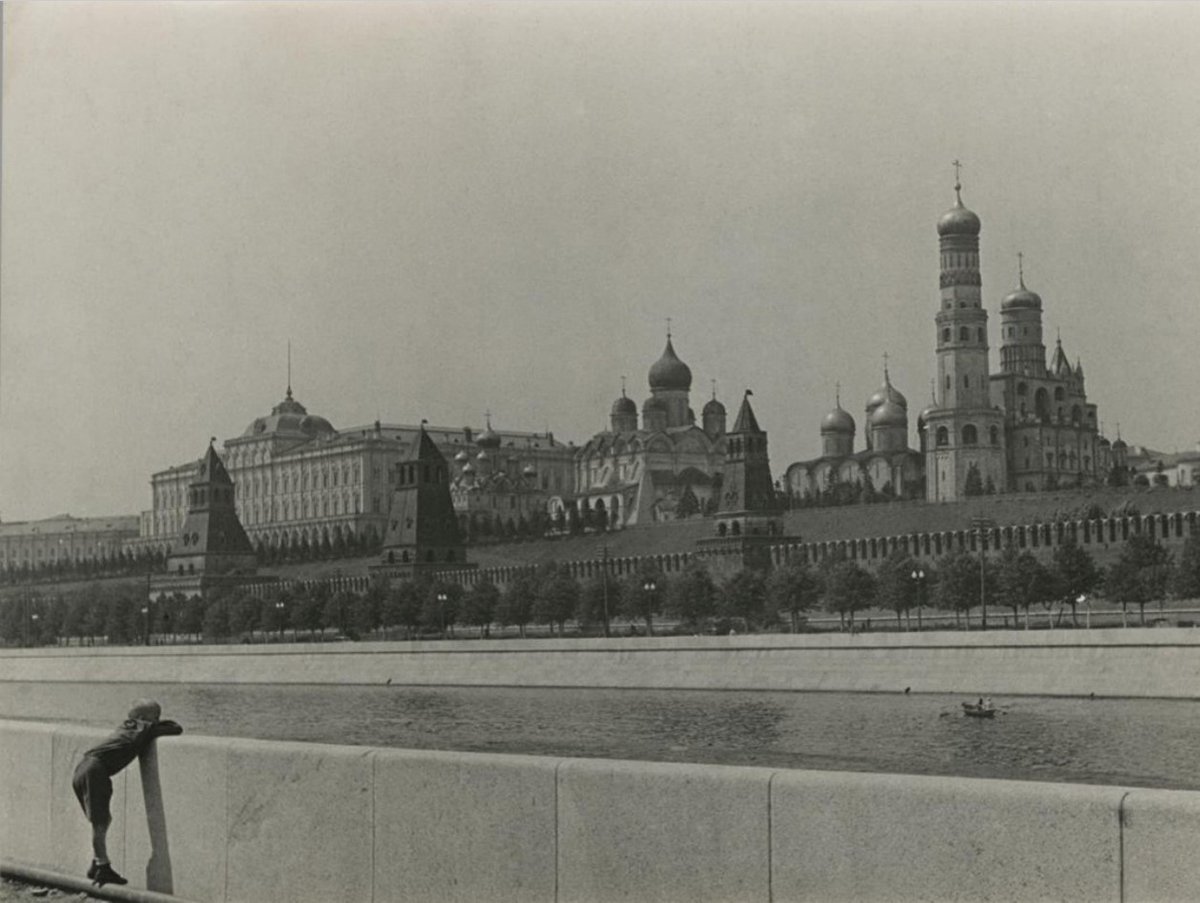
{"x":838,"y":421}
{"x":886,"y":392}
{"x":489,"y":438}
{"x":1022,"y":297}
{"x":958,"y":220}
{"x":889,"y":414}
{"x":462,"y":456}
{"x":669,"y":372}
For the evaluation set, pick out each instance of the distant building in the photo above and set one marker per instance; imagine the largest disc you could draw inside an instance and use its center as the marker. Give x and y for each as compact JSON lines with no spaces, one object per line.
{"x":37,"y":545}
{"x":299,"y":482}
{"x":1029,"y":427}
{"x":667,"y":469}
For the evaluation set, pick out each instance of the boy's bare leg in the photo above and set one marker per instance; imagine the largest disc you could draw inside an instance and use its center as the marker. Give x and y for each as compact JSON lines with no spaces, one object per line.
{"x":100,"y":843}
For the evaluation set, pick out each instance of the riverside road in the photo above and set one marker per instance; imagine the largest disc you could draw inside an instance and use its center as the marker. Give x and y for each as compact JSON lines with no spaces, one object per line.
{"x":1130,"y":742}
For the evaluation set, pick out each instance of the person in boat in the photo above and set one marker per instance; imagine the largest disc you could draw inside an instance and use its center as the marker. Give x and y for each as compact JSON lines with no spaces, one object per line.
{"x":987,"y":702}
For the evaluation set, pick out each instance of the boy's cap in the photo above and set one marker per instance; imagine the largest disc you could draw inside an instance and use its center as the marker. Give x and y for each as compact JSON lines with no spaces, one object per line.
{"x":145,"y":710}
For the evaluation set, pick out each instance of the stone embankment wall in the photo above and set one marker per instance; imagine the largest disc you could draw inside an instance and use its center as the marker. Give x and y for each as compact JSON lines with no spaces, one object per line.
{"x":211,"y":819}
{"x":1163,"y":662}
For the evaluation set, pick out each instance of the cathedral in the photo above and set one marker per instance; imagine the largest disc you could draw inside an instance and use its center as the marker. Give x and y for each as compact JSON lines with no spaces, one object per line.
{"x":1027,"y":428}
{"x":667,"y":469}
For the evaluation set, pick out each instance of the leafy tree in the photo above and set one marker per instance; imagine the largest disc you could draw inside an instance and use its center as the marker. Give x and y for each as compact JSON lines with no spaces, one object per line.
{"x":216,"y":619}
{"x":1075,"y":573}
{"x":691,"y":597}
{"x":403,"y":606}
{"x":794,"y":588}
{"x":242,"y":613}
{"x":895,"y":588}
{"x":191,"y":614}
{"x":273,"y":611}
{"x":958,"y":582}
{"x":688,"y":505}
{"x":556,"y":597}
{"x":336,"y":612}
{"x":744,"y":595}
{"x":121,"y":618}
{"x":309,"y":612}
{"x":643,"y":594}
{"x":479,"y":605}
{"x":1185,"y":584}
{"x":848,"y":589}
{"x":1022,"y":581}
{"x":974,"y":482}
{"x":1140,"y":574}
{"x":599,"y":599}
{"x":440,"y":608}
{"x":516,"y":603}
{"x":366,"y":611}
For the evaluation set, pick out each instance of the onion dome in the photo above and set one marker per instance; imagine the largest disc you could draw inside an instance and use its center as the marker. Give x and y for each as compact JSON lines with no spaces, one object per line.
{"x":530,"y":471}
{"x":886,"y":392}
{"x":958,"y":220}
{"x":624,"y":406}
{"x":462,"y":456}
{"x":889,"y":414}
{"x":713,"y":408}
{"x":1120,"y":443}
{"x":1104,"y":443}
{"x":1022,"y":297}
{"x":669,"y":372}
{"x":468,"y":468}
{"x":838,"y":421}
{"x":483,"y":456}
{"x":488,"y":438}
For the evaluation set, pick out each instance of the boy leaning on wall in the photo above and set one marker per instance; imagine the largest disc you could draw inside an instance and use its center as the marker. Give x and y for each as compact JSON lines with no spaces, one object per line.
{"x":93,"y":776}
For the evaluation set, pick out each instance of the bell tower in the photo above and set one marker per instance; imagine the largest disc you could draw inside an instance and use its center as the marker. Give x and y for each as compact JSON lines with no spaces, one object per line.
{"x":966,"y":451}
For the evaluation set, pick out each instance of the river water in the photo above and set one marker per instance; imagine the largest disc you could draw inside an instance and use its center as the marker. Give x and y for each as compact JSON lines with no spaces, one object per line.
{"x":1147,"y":743}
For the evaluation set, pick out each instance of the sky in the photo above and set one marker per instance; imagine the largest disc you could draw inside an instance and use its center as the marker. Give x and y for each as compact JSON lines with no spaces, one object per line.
{"x":449,"y":209}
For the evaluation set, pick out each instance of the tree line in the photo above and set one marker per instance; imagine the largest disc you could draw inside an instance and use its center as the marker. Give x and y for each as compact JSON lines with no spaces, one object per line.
{"x":552,"y":599}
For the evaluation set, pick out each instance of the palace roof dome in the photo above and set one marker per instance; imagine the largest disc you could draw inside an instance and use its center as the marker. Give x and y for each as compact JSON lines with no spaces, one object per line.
{"x":669,"y":372}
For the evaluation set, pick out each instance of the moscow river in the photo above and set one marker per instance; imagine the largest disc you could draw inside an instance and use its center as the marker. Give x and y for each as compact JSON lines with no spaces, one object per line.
{"x":1132,"y":742}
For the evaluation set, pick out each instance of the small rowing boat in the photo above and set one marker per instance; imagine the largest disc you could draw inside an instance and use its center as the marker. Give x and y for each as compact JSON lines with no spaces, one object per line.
{"x":978,"y":710}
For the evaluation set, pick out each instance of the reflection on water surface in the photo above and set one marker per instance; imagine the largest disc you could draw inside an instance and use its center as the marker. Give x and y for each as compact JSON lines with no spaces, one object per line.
{"x":1102,"y":741}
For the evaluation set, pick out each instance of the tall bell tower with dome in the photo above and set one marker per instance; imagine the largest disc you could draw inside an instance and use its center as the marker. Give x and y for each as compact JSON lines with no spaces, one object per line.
{"x":966,"y":430}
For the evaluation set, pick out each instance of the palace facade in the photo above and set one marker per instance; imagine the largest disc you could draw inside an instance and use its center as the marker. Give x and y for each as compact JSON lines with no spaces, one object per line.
{"x":298,"y":481}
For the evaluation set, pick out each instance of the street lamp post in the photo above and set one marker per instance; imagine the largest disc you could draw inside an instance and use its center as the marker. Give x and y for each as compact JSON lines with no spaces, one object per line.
{"x":1079,"y":601}
{"x":34,"y":619}
{"x":281,"y":608}
{"x":649,"y":585}
{"x":981,"y":525}
{"x":441,"y":597}
{"x":604,"y":577}
{"x":146,"y":617}
{"x":918,"y":577}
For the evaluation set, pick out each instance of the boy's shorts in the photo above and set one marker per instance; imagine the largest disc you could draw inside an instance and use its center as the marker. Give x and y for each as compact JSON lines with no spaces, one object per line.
{"x":93,"y":788}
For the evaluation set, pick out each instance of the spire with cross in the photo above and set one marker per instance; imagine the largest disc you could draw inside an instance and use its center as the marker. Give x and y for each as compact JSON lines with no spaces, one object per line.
{"x":958,"y":180}
{"x":1021,"y":268}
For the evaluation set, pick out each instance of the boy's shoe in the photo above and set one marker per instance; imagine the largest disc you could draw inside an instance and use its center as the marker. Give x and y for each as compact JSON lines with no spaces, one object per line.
{"x":104,"y":874}
{"x":91,"y":872}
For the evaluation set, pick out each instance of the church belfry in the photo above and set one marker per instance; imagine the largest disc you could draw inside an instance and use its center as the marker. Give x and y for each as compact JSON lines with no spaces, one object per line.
{"x":966,"y":453}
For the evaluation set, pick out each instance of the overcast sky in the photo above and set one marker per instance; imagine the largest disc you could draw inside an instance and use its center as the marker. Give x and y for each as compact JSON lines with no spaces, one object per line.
{"x":455,"y":208}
